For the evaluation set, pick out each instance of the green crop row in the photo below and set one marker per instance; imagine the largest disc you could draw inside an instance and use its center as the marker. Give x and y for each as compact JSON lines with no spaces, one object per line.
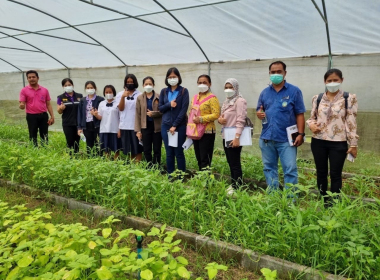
{"x":32,"y":249}
{"x":344,"y":239}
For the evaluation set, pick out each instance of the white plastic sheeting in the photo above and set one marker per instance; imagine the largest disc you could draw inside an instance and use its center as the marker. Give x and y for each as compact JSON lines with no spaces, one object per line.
{"x":224,"y":30}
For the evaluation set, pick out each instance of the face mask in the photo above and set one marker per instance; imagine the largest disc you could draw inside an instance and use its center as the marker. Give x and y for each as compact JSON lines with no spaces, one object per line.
{"x":109,"y":96}
{"x":148,"y":89}
{"x":173,"y":82}
{"x":333,"y":87}
{"x":69,"y":89}
{"x":229,"y":92}
{"x":130,"y":86}
{"x":202,"y":88}
{"x":276,"y":78}
{"x":90,"y":91}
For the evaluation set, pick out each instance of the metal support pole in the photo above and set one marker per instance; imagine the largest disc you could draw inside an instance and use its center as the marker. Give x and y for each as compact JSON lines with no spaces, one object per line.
{"x":329,"y":65}
{"x":209,"y":68}
{"x":68,"y":72}
{"x":126,"y":70}
{"x":23,"y":78}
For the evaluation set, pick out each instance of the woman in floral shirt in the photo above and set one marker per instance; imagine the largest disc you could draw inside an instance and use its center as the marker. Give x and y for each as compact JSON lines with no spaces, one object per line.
{"x":334,"y":132}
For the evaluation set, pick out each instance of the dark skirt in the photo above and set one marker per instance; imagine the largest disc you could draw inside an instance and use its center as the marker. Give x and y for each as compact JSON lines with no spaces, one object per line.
{"x":130,"y":142}
{"x":109,"y":142}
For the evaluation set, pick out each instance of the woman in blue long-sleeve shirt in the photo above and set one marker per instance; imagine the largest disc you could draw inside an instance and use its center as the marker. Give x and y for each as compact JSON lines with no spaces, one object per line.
{"x":173,"y":104}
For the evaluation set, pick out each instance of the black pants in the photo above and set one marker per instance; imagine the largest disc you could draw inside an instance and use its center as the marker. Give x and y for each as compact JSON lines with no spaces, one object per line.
{"x":92,"y":139}
{"x":151,"y":139}
{"x":324,"y":152}
{"x":72,"y":137}
{"x":204,"y":149}
{"x":38,"y":122}
{"x":233,"y":159}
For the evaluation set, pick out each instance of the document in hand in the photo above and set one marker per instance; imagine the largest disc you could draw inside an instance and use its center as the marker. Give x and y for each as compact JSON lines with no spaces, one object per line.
{"x":188,"y":143}
{"x":173,"y":139}
{"x":350,"y":158}
{"x":245,"y":137}
{"x":292,"y":132}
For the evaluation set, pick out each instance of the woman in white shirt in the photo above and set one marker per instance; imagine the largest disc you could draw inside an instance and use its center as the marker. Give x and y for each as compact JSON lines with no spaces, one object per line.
{"x":126,"y":101}
{"x":108,"y":114}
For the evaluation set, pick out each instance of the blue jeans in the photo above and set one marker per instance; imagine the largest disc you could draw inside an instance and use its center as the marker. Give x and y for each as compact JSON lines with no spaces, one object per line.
{"x":271,"y":151}
{"x":172,"y":152}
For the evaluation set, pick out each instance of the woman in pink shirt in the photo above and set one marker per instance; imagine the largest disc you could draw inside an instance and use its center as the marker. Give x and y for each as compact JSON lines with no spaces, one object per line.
{"x":233,"y":114}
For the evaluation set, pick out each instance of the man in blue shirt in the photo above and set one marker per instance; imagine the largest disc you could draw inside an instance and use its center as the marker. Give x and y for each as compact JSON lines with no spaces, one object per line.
{"x":282,"y":105}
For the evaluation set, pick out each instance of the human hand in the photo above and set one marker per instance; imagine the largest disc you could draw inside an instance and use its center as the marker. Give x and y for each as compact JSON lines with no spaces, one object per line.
{"x":119,"y":134}
{"x":196,"y":120}
{"x":94,"y":112}
{"x":173,"y":103}
{"x":149,"y":113}
{"x":51,"y":121}
{"x":260,"y":114}
{"x":139,"y":135}
{"x":62,"y":107}
{"x":222,"y":120}
{"x":353,"y":151}
{"x":80,"y":131}
{"x":172,"y":130}
{"x":235,"y":143}
{"x":315,"y":128}
{"x":299,"y":141}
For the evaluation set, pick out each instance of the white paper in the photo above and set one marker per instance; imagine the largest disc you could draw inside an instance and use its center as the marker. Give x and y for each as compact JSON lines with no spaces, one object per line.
{"x":173,"y":139}
{"x":245,"y":137}
{"x":350,"y":158}
{"x":290,"y":131}
{"x":188,"y":143}
{"x":141,"y":143}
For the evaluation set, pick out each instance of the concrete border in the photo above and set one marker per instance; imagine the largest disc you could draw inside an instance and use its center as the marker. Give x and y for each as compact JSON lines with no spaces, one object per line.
{"x":248,"y":259}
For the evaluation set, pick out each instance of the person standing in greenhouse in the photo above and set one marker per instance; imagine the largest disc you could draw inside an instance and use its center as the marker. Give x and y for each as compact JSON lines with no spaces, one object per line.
{"x":67,"y":106}
{"x":108,"y":114}
{"x":333,"y":123}
{"x":173,"y":104}
{"x":35,"y":99}
{"x":87,"y":124}
{"x":148,"y":122}
{"x":280,"y":106}
{"x":126,"y":101}
{"x":207,"y":105}
{"x":233,"y":114}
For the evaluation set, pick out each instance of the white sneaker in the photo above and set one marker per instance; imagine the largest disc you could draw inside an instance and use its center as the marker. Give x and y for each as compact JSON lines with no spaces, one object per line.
{"x":230,"y":191}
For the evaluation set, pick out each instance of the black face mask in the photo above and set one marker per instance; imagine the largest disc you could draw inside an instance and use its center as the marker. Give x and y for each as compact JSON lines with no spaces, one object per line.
{"x":130,"y":86}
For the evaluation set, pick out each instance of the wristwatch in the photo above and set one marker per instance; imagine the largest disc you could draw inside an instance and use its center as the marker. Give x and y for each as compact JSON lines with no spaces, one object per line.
{"x":237,"y":137}
{"x":302,"y":134}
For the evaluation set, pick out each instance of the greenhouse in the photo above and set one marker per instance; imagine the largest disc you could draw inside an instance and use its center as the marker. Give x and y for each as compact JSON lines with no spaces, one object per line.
{"x":292,"y":233}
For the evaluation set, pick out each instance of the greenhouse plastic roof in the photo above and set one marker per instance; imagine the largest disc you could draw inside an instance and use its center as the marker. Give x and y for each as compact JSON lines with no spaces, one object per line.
{"x":53,"y":34}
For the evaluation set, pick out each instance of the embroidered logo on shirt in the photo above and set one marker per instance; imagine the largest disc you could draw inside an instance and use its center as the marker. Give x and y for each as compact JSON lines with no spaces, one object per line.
{"x":284,"y":104}
{"x":64,"y":100}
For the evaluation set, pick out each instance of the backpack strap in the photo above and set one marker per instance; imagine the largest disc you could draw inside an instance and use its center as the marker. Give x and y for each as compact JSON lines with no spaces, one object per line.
{"x":346,"y":95}
{"x":319,"y":100}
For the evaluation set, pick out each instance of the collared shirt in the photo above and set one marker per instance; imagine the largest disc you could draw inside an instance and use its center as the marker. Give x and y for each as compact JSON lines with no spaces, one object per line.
{"x":35,"y":100}
{"x":110,"y":117}
{"x":281,"y":109}
{"x":172,"y":95}
{"x":149,"y":106}
{"x":70,"y":114}
{"x":127,"y":117}
{"x":336,"y":123}
{"x":68,"y":97}
{"x":235,"y":115}
{"x":89,"y":117}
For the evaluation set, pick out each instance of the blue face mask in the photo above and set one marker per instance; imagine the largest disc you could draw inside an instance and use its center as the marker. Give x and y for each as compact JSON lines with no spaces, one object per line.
{"x":276,"y":78}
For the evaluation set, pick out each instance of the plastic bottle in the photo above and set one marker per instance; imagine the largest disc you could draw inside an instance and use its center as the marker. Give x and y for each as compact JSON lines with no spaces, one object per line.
{"x":264,"y":120}
{"x":82,"y":137}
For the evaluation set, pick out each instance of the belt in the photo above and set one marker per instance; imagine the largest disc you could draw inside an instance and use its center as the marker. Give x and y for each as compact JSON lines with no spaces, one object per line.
{"x":36,"y":114}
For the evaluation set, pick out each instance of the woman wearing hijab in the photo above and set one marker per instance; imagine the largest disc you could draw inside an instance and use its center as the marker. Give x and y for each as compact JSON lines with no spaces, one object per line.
{"x":233,"y":114}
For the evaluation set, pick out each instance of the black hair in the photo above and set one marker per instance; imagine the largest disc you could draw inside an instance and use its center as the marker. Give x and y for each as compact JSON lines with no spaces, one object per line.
{"x":65,"y":80}
{"x":148,"y":78}
{"x":333,"y":71}
{"x":111,"y":87}
{"x":278,"y":62}
{"x":31,"y":72}
{"x":90,"y":83}
{"x":175,"y":71}
{"x":133,"y":77}
{"x":205,"y":76}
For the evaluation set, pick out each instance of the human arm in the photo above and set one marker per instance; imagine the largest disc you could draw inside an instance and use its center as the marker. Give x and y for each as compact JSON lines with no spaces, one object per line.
{"x":300,"y":119}
{"x":22,"y":100}
{"x":50,"y":109}
{"x":312,"y":121}
{"x":121,"y":105}
{"x":260,"y":111}
{"x":60,"y":106}
{"x":215,"y":111}
{"x":138,"y":118}
{"x":162,"y":106}
{"x":184,"y":106}
{"x":351,"y":125}
{"x":241,"y":114}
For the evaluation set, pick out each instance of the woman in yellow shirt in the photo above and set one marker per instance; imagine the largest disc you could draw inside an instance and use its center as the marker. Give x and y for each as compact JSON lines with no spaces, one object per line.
{"x":210,"y":111}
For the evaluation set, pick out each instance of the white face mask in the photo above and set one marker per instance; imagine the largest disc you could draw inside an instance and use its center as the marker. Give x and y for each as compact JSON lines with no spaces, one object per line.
{"x":333,"y":87}
{"x":203,"y":88}
{"x":90,"y":91}
{"x":148,"y":89}
{"x":173,"y":81}
{"x":109,"y":96}
{"x":69,"y":89}
{"x":229,"y":92}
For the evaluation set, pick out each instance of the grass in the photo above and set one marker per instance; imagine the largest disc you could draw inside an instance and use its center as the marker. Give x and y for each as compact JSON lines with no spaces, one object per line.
{"x":61,"y":215}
